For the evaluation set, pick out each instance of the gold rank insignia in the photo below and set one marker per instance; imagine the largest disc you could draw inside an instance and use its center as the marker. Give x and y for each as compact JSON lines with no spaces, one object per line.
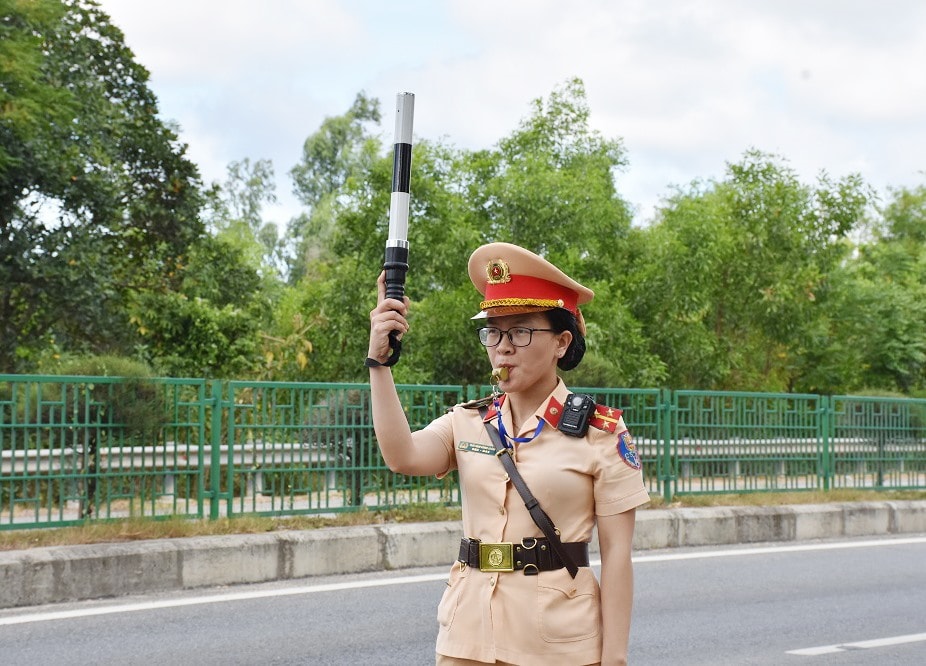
{"x":606,"y":418}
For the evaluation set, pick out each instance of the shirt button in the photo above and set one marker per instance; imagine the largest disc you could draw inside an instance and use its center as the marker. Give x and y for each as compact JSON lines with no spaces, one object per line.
{"x":492,"y":582}
{"x":501,"y":511}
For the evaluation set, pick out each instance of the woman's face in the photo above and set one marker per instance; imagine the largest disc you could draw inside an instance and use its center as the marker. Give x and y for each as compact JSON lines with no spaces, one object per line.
{"x":533,"y":366}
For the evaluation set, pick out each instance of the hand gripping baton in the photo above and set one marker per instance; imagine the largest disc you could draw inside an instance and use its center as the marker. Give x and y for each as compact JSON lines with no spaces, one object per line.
{"x":396,"y":263}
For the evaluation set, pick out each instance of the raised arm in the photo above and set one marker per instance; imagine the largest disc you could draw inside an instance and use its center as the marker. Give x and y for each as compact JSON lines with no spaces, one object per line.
{"x":420,"y":453}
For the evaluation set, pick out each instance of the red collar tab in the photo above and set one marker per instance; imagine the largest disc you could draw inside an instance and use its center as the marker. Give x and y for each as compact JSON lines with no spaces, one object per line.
{"x":553,"y":412}
{"x":492,"y":413}
{"x":605,"y":418}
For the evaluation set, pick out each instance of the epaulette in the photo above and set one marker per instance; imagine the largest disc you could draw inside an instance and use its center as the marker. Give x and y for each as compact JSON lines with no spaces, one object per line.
{"x":476,"y":404}
{"x":605,"y":418}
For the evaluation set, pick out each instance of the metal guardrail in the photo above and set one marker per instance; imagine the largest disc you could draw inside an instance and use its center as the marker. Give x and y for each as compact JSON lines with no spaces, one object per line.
{"x":171,"y":457}
{"x":74,"y":449}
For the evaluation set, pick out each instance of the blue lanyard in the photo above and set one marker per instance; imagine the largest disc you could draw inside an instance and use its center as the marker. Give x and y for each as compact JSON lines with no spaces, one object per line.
{"x":504,"y":433}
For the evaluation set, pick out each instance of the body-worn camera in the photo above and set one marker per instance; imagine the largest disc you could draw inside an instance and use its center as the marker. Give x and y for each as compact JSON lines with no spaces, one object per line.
{"x":577,"y":411}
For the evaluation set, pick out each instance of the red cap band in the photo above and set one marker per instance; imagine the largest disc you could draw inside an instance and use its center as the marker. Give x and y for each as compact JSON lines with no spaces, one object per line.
{"x":529,"y":290}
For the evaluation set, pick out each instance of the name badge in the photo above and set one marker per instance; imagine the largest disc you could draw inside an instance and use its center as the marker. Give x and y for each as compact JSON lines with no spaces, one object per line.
{"x":475,"y":447}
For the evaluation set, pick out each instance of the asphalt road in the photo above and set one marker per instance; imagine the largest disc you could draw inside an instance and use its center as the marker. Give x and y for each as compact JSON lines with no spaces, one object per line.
{"x":844,"y":602}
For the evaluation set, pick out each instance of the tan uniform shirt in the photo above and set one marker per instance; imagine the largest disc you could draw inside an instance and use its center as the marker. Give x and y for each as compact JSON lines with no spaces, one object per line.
{"x":549,"y":618}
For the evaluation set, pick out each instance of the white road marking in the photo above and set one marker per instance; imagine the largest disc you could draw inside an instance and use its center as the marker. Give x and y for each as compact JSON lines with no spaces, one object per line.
{"x":764,"y":550}
{"x":215,"y":599}
{"x":864,"y":645}
{"x":409,"y":580}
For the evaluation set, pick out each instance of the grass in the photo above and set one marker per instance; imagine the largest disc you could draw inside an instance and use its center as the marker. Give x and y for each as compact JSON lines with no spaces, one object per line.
{"x":796,"y":497}
{"x":139,"y":529}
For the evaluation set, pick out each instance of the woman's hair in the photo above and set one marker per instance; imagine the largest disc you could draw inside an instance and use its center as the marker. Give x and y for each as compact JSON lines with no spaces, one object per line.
{"x":563,"y":320}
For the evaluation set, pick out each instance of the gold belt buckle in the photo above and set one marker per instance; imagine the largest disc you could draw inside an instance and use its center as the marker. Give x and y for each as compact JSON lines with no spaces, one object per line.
{"x":496,"y":557}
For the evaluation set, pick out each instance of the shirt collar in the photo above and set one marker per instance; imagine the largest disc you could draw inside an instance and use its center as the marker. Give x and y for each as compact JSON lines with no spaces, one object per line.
{"x":550,"y":410}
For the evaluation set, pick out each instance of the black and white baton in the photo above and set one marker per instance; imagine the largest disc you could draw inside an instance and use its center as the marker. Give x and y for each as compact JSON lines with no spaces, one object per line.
{"x":396,"y":264}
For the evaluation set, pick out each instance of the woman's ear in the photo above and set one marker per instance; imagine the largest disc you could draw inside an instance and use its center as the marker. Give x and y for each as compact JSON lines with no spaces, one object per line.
{"x":563,"y":340}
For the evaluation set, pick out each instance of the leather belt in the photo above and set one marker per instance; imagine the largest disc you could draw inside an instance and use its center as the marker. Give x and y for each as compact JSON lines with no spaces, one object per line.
{"x":532,"y":555}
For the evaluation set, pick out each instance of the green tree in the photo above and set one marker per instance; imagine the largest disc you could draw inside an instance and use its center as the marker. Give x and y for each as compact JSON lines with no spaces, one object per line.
{"x":96,"y":194}
{"x":348,"y":186}
{"x":904,"y":217}
{"x":341,"y":150}
{"x":872,"y":335}
{"x":549,"y":186}
{"x":235,"y":213}
{"x":730,"y":278}
{"x":209,"y":323}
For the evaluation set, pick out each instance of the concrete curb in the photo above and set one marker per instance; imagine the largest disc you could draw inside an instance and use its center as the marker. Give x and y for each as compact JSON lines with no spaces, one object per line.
{"x":69,"y":573}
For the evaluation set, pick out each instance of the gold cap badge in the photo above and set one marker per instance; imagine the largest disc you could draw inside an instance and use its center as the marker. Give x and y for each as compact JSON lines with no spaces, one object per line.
{"x":497,"y":272}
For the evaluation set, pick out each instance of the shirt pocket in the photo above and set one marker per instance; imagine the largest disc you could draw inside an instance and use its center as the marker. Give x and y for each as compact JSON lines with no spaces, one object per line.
{"x":570,"y":608}
{"x":447,"y":607}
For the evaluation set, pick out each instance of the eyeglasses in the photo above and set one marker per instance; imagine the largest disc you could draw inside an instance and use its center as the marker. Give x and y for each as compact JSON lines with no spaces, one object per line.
{"x":519,"y":336}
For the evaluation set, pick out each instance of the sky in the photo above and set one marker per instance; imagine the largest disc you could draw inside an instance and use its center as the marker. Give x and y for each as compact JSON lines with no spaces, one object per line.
{"x":688,"y":86}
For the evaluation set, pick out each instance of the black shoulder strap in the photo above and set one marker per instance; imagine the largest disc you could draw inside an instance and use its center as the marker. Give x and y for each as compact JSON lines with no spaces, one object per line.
{"x":533,"y":506}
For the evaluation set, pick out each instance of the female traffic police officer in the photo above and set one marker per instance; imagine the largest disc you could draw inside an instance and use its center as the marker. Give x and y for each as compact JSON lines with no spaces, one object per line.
{"x":537,"y":613}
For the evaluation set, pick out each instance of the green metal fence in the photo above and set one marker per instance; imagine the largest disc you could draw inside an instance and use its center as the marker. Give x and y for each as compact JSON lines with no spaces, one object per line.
{"x":745,"y":442}
{"x":78,"y":448}
{"x":311,"y":448}
{"x":74,"y":449}
{"x":876,"y":443}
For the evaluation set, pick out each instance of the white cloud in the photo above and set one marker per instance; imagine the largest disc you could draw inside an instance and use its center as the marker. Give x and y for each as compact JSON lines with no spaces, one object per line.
{"x":688,"y":85}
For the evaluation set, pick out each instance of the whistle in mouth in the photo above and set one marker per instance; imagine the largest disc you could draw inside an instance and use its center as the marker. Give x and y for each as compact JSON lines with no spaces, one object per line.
{"x":500,"y":374}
